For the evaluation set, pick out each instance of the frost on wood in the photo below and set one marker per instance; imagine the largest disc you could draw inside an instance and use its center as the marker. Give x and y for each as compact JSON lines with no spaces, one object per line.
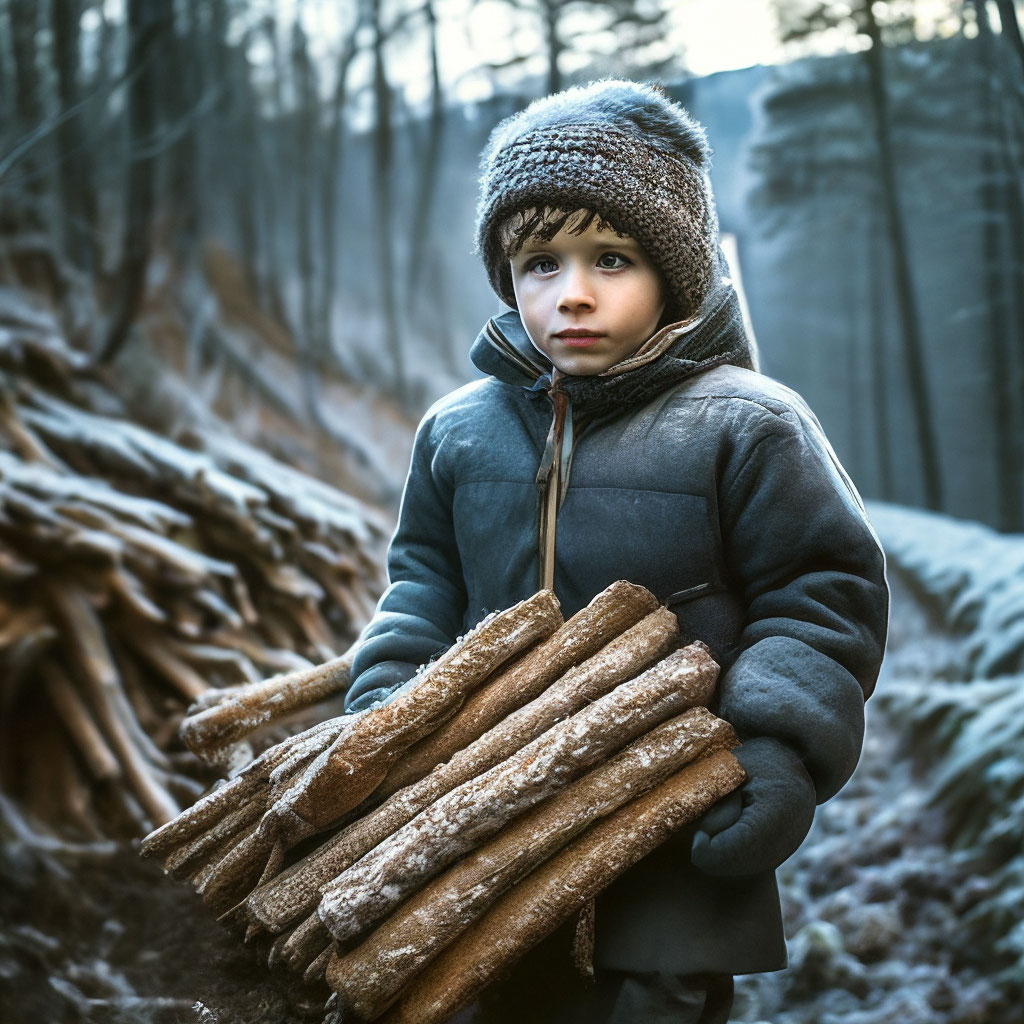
{"x":297,"y":891}
{"x":476,"y":810}
{"x":233,"y":714}
{"x":613,"y":610}
{"x":352,"y":768}
{"x":370,"y":976}
{"x":137,"y":577}
{"x":605,"y":710}
{"x":315,"y":777}
{"x":550,"y":895}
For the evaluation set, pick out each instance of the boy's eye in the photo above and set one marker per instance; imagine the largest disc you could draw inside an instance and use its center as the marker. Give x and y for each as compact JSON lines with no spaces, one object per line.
{"x":611,"y":261}
{"x":543,"y":265}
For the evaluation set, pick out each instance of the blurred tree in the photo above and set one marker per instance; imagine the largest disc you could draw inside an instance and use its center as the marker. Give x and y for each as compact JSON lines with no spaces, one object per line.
{"x":1010,"y":25}
{"x":307,"y":110}
{"x":79,"y":214}
{"x":430,"y":156}
{"x":329,"y":183}
{"x":383,"y":191}
{"x":796,"y":22}
{"x":616,"y":34}
{"x":1001,"y":182}
{"x":148,"y":27}
{"x":28,"y":185}
{"x":190,"y":92}
{"x":7,"y":87}
{"x":269,"y":176}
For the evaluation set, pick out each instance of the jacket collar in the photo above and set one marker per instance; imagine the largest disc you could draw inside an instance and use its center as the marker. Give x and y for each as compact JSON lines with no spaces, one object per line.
{"x":717,"y":335}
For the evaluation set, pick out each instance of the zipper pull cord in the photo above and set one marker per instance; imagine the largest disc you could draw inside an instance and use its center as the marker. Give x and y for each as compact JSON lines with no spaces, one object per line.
{"x":552,"y":479}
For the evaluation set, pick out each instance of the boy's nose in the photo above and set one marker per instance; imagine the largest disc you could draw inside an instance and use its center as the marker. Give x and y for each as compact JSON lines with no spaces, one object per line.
{"x":576,"y":293}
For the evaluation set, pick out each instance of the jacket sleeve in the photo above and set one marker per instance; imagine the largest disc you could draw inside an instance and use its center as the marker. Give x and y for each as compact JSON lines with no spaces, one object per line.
{"x":811,"y":577}
{"x":421,"y":612}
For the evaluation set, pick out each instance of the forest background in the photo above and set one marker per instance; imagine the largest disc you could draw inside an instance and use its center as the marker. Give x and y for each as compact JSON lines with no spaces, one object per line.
{"x":244,"y":227}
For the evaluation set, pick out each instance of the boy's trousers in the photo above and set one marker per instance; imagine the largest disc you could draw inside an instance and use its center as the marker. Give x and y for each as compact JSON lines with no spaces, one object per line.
{"x":544,"y":988}
{"x":616,"y":997}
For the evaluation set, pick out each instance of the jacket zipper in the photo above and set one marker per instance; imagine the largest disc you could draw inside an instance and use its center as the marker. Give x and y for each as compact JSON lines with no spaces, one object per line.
{"x":556,"y":460}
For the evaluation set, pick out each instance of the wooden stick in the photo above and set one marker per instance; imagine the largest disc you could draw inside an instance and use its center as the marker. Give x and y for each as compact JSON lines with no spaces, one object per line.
{"x":303,"y":944}
{"x":612,"y":612}
{"x":150,"y":646}
{"x":470,"y":814}
{"x":205,"y":813}
{"x":78,"y":721}
{"x":247,"y":708}
{"x":555,"y":891}
{"x":295,"y":892}
{"x":318,"y":968}
{"x":341,"y":777}
{"x":184,"y":860}
{"x":88,"y":646}
{"x":369,"y":977}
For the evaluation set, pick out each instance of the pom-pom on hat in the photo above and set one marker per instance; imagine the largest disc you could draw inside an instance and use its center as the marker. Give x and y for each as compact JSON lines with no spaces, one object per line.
{"x":624,"y":152}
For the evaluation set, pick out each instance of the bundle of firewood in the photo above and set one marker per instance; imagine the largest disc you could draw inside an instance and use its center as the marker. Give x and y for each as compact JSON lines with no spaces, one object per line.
{"x":461,"y":822}
{"x":135,"y":575}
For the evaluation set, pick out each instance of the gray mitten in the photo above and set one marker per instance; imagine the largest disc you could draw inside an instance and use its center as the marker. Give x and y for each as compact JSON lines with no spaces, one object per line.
{"x":763,"y":822}
{"x":377,"y":684}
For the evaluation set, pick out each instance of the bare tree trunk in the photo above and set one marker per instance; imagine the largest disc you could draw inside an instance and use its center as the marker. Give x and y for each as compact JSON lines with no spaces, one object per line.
{"x":553,"y":42}
{"x":270,"y":185}
{"x":8,"y":90}
{"x":305,"y":176}
{"x":910,"y":324}
{"x":1003,"y":229}
{"x":332,"y":168}
{"x":191,"y":101}
{"x":27,"y":181}
{"x":147,"y":23}
{"x":78,"y":198}
{"x":384,"y":196}
{"x":430,"y":163}
{"x":879,"y":364}
{"x":1011,"y":26}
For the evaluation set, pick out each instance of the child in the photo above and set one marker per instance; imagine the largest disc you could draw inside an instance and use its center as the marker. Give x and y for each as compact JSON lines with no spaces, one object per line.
{"x":622,"y":406}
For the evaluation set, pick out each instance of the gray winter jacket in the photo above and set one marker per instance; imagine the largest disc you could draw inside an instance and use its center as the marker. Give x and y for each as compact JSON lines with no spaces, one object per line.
{"x":722,"y":496}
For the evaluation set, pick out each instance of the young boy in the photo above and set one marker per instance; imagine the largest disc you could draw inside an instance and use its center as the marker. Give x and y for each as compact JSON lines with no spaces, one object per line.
{"x":623,"y":432}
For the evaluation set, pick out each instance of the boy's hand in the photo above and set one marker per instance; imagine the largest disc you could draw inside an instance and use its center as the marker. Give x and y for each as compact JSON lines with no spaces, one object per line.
{"x":762,"y":823}
{"x":377,"y":684}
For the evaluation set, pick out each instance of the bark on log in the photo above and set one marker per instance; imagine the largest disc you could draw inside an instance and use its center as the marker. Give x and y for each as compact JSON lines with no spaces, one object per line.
{"x":88,"y":646}
{"x":185,"y":860}
{"x":338,"y":779}
{"x":249,"y":708}
{"x":556,"y":890}
{"x":254,"y":854}
{"x":296,"y":892}
{"x":249,"y":785}
{"x":472,"y":813}
{"x":303,"y":944}
{"x":238,"y":553}
{"x":368,"y":978}
{"x":94,"y":749}
{"x":612,"y":612}
{"x":352,"y":768}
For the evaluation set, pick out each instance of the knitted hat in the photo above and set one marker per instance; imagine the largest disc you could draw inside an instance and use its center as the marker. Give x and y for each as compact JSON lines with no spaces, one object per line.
{"x":625,"y":153}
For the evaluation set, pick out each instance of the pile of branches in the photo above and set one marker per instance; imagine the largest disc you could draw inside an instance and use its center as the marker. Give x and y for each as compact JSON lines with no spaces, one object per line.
{"x":135,"y":574}
{"x":460,"y":823}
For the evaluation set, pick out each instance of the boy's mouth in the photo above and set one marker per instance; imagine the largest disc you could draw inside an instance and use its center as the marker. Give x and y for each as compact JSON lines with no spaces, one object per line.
{"x":579,"y":337}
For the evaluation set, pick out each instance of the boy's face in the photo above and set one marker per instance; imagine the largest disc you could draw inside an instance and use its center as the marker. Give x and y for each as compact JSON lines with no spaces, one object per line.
{"x":587,"y":300}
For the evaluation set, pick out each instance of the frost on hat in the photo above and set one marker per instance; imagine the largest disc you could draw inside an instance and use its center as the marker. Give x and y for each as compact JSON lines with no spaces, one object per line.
{"x":626,"y":153}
